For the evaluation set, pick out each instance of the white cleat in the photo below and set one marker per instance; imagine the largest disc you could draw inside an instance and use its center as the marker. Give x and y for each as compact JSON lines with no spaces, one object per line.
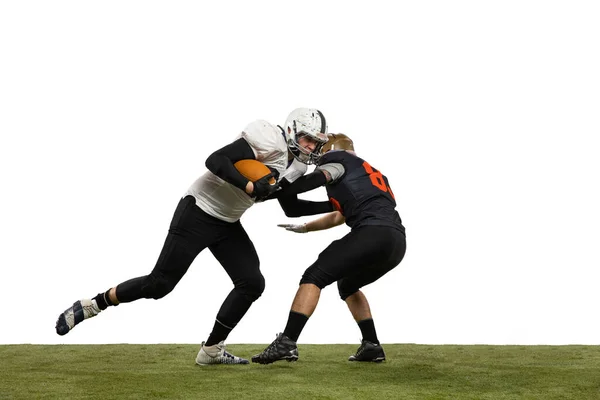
{"x":80,"y":310}
{"x":217,"y":355}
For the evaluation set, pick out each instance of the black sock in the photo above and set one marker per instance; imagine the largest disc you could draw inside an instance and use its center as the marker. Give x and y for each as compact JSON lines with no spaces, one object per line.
{"x":103,"y":300}
{"x":367,"y":327}
{"x":219,"y":332}
{"x":295,"y":324}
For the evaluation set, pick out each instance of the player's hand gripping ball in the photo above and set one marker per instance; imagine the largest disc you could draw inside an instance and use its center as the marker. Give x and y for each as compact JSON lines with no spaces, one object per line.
{"x":260,"y":175}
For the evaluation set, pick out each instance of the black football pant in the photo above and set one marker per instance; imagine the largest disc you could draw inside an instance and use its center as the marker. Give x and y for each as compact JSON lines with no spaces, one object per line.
{"x":359,"y":258}
{"x":191,"y":231}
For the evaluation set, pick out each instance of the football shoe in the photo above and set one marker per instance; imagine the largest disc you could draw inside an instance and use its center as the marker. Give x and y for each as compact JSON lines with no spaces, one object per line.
{"x":79,"y":311}
{"x":217,"y":355}
{"x":368,"y":351}
{"x":282,"y":348}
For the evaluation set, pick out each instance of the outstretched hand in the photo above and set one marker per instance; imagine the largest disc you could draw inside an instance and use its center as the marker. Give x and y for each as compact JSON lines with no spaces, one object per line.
{"x":294,"y":228}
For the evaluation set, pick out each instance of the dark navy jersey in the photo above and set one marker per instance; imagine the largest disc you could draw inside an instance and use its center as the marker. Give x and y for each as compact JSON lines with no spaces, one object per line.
{"x":362,"y":194}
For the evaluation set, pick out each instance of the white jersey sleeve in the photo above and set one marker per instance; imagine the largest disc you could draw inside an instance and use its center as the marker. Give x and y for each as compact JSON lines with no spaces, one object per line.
{"x":226,"y":202}
{"x":267,"y":143}
{"x":294,"y":171}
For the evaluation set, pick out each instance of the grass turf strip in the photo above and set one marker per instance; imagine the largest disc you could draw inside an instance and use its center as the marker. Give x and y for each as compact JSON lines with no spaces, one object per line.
{"x":322,"y":372}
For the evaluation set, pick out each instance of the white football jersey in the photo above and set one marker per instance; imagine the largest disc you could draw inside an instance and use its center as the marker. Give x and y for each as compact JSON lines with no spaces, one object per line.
{"x":226,"y":202}
{"x":294,"y":171}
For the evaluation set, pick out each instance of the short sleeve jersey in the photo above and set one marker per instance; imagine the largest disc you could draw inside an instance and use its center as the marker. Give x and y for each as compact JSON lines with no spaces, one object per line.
{"x":362,"y":194}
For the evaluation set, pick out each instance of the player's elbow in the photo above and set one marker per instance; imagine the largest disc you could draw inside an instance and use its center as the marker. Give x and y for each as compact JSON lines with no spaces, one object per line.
{"x":338,"y":218}
{"x":212,"y":163}
{"x":289,"y":209}
{"x":292,"y":213}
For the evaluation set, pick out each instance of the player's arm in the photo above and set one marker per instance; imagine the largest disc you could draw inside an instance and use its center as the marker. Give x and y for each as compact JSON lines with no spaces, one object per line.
{"x":323,"y":175}
{"x":221,"y":163}
{"x":294,"y":207}
{"x":333,"y":172}
{"x":303,"y":184}
{"x":325,"y":222}
{"x":288,"y":196}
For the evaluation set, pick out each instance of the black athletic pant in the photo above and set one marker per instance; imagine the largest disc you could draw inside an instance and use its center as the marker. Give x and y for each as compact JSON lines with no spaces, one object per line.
{"x":359,"y":258}
{"x":190,"y":232}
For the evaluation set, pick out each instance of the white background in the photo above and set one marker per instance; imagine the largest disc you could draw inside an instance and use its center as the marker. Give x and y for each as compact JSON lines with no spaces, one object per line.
{"x":483,"y":115}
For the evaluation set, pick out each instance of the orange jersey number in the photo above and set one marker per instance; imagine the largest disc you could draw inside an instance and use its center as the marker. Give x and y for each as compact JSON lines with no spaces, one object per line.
{"x":377,"y":179}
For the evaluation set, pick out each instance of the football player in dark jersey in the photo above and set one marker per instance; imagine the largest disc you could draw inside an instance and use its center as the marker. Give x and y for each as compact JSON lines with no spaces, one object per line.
{"x":362,"y":197}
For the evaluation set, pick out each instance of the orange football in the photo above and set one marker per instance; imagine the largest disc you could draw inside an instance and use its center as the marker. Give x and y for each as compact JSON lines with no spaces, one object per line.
{"x":253,"y":170}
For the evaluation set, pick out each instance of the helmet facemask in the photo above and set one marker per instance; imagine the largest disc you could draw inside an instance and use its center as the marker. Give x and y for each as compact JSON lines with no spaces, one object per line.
{"x":304,"y":154}
{"x":311,"y":124}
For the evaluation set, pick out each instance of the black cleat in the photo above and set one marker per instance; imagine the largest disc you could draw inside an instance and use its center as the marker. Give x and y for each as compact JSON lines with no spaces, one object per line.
{"x":282,"y":348}
{"x":368,"y":351}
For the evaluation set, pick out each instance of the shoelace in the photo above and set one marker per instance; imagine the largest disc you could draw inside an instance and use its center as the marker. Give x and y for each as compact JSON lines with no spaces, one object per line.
{"x":228,"y":355}
{"x":361,"y":349}
{"x":91,"y":310}
{"x":272,"y":348}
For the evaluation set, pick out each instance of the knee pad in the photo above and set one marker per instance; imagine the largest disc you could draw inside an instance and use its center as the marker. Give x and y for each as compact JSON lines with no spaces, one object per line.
{"x":345,"y":290}
{"x":156,"y":287}
{"x":252,"y":287}
{"x":315,"y":276}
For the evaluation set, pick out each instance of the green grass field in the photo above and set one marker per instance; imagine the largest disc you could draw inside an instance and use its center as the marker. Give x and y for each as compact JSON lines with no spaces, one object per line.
{"x":411,"y":372}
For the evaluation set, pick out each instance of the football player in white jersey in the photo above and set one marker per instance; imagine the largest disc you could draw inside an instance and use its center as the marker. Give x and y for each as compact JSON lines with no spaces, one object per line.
{"x":208,"y":215}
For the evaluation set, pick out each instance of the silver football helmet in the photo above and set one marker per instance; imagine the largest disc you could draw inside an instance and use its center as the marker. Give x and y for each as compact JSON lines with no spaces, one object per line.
{"x":308,"y":122}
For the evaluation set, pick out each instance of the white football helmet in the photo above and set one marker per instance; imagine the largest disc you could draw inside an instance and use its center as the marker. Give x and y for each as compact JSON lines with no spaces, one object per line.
{"x":310,"y":122}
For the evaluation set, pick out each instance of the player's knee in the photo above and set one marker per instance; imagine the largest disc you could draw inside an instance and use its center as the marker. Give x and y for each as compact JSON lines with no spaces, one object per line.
{"x":252,"y":287}
{"x":345,"y":289}
{"x":315,"y":276}
{"x":157,"y":287}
